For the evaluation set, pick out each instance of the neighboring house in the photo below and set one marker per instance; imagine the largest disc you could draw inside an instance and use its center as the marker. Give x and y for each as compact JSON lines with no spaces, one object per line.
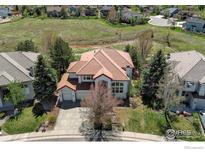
{"x":190,"y":67}
{"x":170,"y":12}
{"x":74,"y":10}
{"x":17,"y":66}
{"x":4,"y":12}
{"x":146,"y":9}
{"x":195,"y":25}
{"x":105,"y":10}
{"x":91,"y":10}
{"x":183,"y":15}
{"x":128,"y":15}
{"x":111,"y":67}
{"x":53,"y":10}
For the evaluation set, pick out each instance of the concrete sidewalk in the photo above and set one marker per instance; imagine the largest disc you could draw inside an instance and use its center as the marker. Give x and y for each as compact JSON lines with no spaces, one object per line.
{"x":66,"y":136}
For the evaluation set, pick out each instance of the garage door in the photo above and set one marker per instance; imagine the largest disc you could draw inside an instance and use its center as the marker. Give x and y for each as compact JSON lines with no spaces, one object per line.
{"x":200,"y":105}
{"x":67,"y":96}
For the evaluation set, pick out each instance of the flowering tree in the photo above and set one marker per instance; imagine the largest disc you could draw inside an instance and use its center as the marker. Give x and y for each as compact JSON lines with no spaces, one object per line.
{"x":99,"y":103}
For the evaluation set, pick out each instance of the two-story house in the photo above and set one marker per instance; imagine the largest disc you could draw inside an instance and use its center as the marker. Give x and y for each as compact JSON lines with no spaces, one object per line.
{"x":190,"y":67}
{"x":194,"y":24}
{"x":111,"y":67}
{"x":17,"y":66}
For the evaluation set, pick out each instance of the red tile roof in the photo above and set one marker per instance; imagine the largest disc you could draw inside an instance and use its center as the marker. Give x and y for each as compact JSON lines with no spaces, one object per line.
{"x":110,"y":62}
{"x":64,"y":83}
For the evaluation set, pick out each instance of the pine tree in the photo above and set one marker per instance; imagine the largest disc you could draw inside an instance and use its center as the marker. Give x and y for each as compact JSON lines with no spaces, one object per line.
{"x":134,"y":56}
{"x":151,"y":78}
{"x":45,"y":80}
{"x":61,"y":56}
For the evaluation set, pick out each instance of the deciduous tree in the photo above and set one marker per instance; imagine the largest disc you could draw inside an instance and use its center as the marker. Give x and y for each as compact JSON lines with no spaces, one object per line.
{"x":144,"y":42}
{"x":100,"y":103}
{"x":113,"y":15}
{"x":15,"y":94}
{"x":168,"y":88}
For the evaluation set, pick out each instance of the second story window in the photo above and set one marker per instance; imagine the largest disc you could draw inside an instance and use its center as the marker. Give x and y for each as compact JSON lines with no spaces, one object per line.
{"x":87,"y":77}
{"x":189,"y":84}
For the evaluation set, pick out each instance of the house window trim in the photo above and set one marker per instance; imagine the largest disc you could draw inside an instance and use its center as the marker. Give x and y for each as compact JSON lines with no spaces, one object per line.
{"x":117,"y":87}
{"x":87,"y":78}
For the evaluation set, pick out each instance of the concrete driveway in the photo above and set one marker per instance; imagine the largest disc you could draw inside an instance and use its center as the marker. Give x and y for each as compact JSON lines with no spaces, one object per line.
{"x":70,"y":120}
{"x":159,"y":21}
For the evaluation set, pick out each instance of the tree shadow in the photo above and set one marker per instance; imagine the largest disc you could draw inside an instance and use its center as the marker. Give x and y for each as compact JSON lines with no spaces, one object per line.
{"x":97,"y":135}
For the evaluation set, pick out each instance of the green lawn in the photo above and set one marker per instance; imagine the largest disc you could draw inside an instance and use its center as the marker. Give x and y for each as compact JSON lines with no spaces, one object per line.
{"x":145,"y":120}
{"x":85,"y":32}
{"x":26,"y":122}
{"x":142,"y":120}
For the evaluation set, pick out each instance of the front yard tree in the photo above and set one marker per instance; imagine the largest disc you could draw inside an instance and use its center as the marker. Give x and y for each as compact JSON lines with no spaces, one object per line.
{"x":168,"y":89}
{"x":100,"y":103}
{"x":151,"y":78}
{"x":45,"y":80}
{"x":27,"y":45}
{"x":61,"y":56}
{"x":15,"y":94}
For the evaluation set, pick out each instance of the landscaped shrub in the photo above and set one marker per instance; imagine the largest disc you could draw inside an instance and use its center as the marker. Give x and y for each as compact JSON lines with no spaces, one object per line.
{"x":27,"y":45}
{"x":196,"y":122}
{"x":38,"y":109}
{"x":134,"y":89}
{"x":52,"y":118}
{"x":2,"y":114}
{"x":26,"y":122}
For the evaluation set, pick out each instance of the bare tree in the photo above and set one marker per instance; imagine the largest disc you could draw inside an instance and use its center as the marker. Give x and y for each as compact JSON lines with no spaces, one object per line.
{"x":48,"y":39}
{"x":99,"y":104}
{"x":169,"y":87}
{"x":144,"y":42}
{"x":168,"y":39}
{"x":112,"y":15}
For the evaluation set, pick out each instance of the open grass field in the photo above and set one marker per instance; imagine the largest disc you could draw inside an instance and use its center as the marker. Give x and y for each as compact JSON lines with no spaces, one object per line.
{"x":83,"y":34}
{"x":75,"y":31}
{"x":24,"y":123}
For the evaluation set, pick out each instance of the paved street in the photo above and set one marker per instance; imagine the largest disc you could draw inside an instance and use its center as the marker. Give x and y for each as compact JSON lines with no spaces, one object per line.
{"x":70,"y":120}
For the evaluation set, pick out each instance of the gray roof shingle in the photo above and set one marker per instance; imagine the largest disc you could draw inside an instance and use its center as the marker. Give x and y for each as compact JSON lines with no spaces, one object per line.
{"x":14,"y":66}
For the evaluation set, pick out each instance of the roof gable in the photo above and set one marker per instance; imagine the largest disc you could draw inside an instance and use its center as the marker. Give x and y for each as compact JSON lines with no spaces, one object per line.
{"x":117,"y":72}
{"x":197,"y":72}
{"x":75,"y":66}
{"x":90,"y":68}
{"x":185,"y":61}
